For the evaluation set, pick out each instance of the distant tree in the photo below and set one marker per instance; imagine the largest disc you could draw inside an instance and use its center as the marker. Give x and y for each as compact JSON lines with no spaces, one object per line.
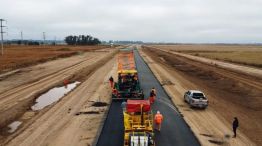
{"x":82,"y":40}
{"x":33,"y":43}
{"x":96,"y":41}
{"x":69,"y":40}
{"x":19,"y":42}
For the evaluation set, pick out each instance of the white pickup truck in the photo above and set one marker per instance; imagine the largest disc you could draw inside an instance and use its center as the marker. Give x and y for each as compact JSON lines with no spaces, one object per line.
{"x":196,"y":98}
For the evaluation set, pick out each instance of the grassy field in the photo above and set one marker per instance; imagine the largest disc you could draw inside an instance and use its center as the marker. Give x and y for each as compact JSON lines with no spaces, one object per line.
{"x":240,"y":54}
{"x":21,"y":56}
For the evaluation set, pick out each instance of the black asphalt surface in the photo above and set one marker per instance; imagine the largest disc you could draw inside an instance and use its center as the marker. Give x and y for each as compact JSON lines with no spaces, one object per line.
{"x":174,"y":132}
{"x":112,"y":133}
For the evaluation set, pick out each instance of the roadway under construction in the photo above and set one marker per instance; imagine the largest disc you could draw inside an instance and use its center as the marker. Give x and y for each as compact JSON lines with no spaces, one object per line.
{"x":174,"y":129}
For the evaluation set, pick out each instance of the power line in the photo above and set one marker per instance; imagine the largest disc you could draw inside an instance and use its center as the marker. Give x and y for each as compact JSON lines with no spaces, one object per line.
{"x":2,"y":35}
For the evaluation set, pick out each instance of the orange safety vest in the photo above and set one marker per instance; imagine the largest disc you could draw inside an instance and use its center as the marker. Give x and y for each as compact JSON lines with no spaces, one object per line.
{"x":158,"y":118}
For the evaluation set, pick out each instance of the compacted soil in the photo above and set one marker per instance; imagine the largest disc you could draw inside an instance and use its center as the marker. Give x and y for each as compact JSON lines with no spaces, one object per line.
{"x":231,"y":94}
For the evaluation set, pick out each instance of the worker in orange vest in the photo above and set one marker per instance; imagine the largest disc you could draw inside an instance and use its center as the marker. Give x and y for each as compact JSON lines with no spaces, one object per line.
{"x":158,"y":120}
{"x":111,"y":80}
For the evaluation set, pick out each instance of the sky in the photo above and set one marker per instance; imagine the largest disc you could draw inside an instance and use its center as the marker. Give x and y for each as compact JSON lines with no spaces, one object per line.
{"x":178,"y":21}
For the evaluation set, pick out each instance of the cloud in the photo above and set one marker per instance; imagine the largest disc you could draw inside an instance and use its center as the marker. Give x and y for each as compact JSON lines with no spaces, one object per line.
{"x":197,"y":21}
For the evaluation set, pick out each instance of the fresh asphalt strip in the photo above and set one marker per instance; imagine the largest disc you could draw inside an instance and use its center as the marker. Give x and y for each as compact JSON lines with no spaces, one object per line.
{"x":174,"y":131}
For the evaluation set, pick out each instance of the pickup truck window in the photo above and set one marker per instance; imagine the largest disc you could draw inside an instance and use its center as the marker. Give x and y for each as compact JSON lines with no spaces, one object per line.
{"x":198,"y":96}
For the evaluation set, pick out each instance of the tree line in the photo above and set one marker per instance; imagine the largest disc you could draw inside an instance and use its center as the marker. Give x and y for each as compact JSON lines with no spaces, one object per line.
{"x":82,"y":40}
{"x":23,"y":42}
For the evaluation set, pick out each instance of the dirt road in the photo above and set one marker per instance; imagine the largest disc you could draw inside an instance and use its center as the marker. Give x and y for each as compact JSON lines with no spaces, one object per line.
{"x":211,"y":126}
{"x":34,"y":73}
{"x":79,"y":126}
{"x":237,"y":68}
{"x":170,"y":135}
{"x":20,"y":56}
{"x":16,"y":102}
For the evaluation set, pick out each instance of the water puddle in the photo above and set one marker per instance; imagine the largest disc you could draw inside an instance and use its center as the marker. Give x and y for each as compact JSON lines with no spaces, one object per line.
{"x":52,"y":96}
{"x":13,"y":126}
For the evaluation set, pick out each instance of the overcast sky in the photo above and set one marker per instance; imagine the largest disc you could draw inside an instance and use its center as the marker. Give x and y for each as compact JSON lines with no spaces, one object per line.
{"x":195,"y":21}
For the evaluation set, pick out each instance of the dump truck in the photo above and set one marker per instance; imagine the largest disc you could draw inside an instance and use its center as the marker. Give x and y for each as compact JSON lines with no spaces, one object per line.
{"x":138,"y":123}
{"x":127,"y":86}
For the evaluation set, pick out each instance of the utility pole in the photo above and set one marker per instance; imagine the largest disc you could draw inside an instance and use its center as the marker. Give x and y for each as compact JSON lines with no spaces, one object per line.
{"x":44,"y":37}
{"x":22,"y":37}
{"x":2,"y":35}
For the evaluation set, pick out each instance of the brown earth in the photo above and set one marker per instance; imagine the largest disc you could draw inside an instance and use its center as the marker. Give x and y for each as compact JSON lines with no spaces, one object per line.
{"x":22,"y":56}
{"x":208,"y":48}
{"x":249,"y":55}
{"x":18,"y":97}
{"x":230,"y":94}
{"x":78,"y":126}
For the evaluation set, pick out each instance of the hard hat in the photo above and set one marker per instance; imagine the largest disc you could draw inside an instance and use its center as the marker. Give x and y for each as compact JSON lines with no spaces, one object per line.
{"x":158,"y":112}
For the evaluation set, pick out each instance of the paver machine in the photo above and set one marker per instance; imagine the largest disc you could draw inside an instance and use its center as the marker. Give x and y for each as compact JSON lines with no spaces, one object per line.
{"x":128,"y":86}
{"x":138,"y":123}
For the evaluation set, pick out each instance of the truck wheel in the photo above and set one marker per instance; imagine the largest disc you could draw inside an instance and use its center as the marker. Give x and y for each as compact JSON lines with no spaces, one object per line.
{"x":185,"y":99}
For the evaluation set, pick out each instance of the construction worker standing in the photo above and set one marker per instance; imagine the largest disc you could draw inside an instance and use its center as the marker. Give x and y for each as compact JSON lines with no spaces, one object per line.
{"x":235,"y":124}
{"x":66,"y":82}
{"x":111,"y":80}
{"x":158,"y":120}
{"x":152,"y":98}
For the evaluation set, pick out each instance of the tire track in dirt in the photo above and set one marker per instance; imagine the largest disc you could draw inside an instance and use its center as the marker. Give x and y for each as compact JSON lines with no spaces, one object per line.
{"x":251,"y":79}
{"x":14,"y":105}
{"x":226,"y":92}
{"x":58,"y":126}
{"x":45,"y":78}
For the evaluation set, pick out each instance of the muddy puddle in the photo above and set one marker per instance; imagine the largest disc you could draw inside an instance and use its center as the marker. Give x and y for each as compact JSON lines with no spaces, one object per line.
{"x":52,"y":96}
{"x":13,"y":126}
